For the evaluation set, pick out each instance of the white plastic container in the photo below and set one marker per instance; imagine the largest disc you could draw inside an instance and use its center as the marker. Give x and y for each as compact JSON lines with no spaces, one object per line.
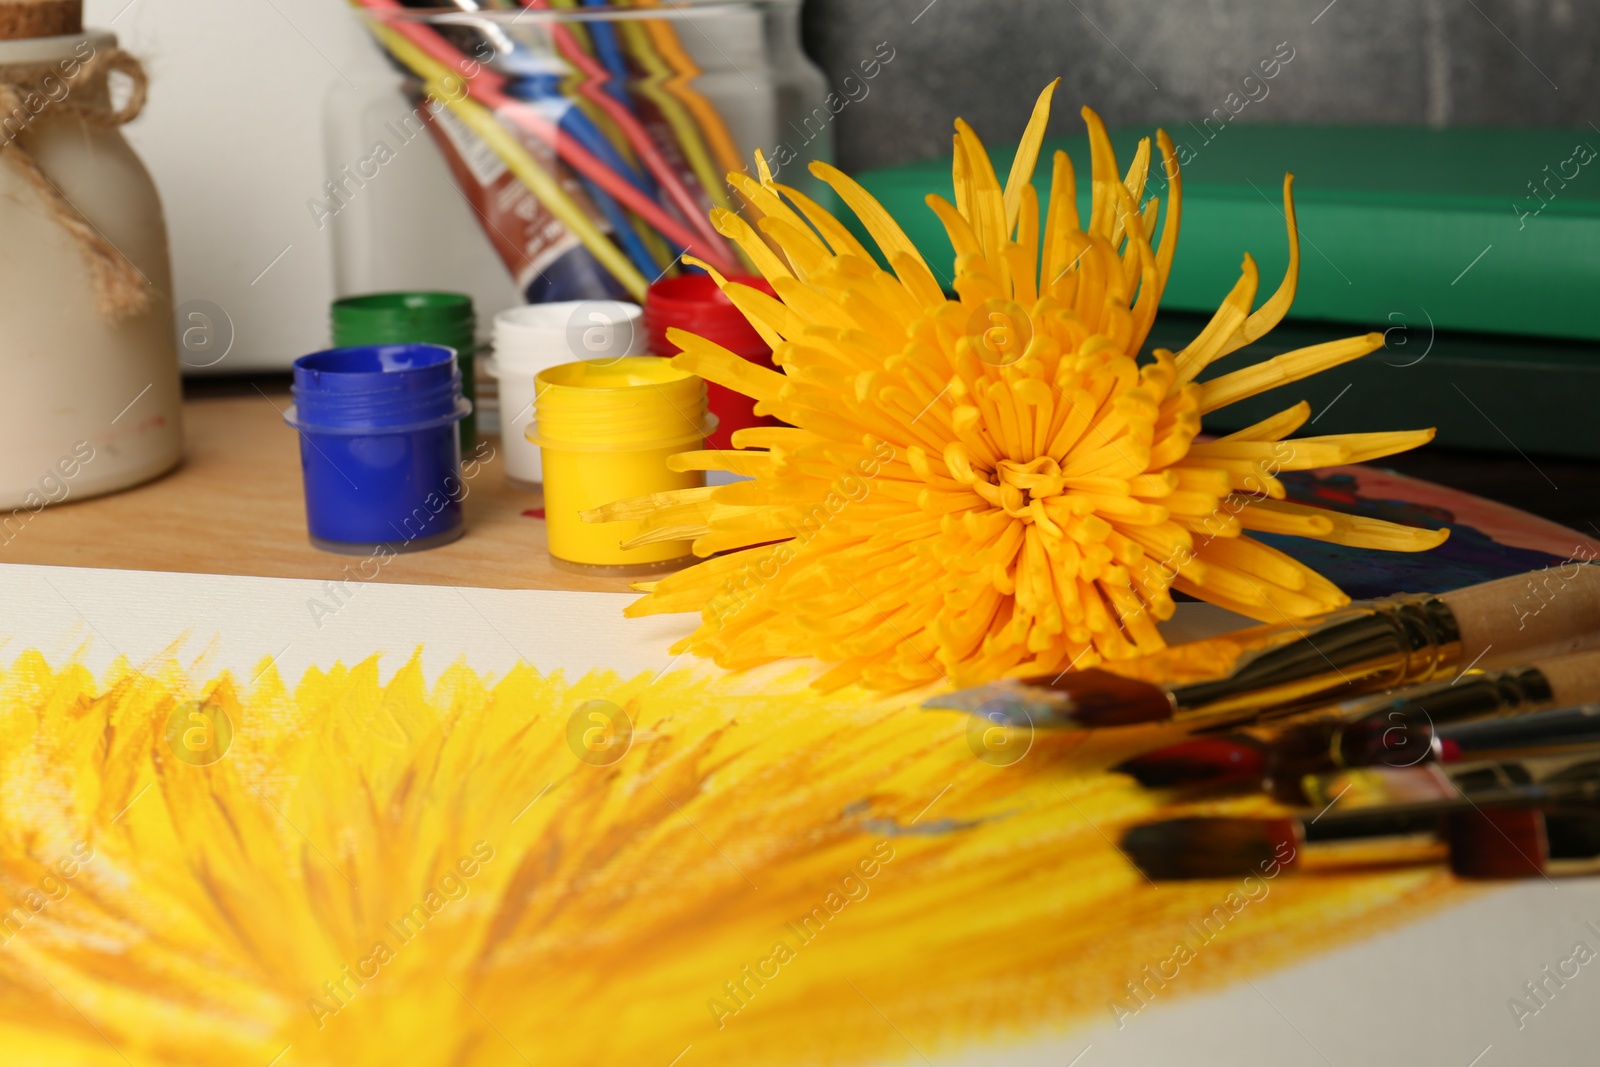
{"x":536,"y":337}
{"x":87,"y":405}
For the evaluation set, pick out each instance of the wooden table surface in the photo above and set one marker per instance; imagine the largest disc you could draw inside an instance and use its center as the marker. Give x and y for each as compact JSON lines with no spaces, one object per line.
{"x":235,"y":506}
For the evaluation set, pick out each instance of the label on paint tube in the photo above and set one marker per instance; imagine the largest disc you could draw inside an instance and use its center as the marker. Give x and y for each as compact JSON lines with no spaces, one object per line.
{"x":486,"y":167}
{"x":546,"y":260}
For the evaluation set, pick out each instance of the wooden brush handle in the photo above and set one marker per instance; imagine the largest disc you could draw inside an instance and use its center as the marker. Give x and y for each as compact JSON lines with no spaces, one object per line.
{"x":1573,"y":679}
{"x":1552,"y":610}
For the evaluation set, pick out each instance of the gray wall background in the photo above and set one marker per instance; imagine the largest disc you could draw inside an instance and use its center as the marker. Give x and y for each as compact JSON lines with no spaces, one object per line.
{"x":1145,"y":62}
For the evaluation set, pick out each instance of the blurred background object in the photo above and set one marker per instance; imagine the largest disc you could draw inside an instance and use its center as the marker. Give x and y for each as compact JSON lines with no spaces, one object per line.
{"x":247,"y":164}
{"x":1150,"y":62}
{"x":233,"y":136}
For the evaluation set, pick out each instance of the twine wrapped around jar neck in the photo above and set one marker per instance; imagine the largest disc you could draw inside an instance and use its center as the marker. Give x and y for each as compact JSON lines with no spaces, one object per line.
{"x":35,"y":90}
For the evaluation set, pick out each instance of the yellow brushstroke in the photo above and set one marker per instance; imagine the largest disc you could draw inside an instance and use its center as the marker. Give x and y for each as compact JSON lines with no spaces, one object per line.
{"x":608,"y":907}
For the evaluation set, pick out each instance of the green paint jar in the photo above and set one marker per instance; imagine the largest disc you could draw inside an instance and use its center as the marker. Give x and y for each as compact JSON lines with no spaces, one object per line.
{"x":415,"y":318}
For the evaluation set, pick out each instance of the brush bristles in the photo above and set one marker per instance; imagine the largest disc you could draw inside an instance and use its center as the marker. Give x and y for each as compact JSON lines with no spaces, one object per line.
{"x":1394,"y":741}
{"x":1101,"y":699}
{"x":1302,"y":749}
{"x":1189,"y":848}
{"x":1211,"y":762}
{"x":1573,"y":834}
{"x":1498,"y":842}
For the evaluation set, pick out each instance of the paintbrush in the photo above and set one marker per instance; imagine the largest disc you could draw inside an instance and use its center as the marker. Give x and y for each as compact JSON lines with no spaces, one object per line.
{"x":436,"y":62}
{"x":1210,"y":761}
{"x":1285,"y":668}
{"x":1401,"y":731}
{"x":1524,"y":842}
{"x":1391,"y":834}
{"x":1218,"y":760}
{"x":1537,"y":760}
{"x":1390,"y":728}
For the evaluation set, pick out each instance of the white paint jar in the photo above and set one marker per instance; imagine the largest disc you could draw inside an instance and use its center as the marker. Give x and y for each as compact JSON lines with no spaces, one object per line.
{"x":87,"y":405}
{"x":536,"y":337}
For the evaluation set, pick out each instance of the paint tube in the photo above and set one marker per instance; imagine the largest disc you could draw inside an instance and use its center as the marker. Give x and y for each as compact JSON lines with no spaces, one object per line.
{"x":545,"y":259}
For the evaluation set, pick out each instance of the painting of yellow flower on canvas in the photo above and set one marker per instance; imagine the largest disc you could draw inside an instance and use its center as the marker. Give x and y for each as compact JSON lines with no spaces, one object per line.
{"x":383,"y":872}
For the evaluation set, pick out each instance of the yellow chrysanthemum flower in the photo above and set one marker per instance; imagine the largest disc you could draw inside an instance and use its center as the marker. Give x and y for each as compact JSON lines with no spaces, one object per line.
{"x":993,"y":484}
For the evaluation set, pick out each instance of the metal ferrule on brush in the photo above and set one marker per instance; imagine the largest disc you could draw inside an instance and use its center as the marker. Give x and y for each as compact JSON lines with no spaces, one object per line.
{"x":1508,"y":770}
{"x":1475,"y":696}
{"x":1400,"y":730}
{"x":1380,"y":645}
{"x":1372,"y":786}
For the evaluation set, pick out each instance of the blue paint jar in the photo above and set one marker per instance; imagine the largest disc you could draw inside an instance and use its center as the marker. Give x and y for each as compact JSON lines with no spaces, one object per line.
{"x":378,"y":446}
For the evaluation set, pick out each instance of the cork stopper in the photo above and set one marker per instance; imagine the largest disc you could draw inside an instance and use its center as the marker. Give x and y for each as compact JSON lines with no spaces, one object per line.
{"x":39,"y":18}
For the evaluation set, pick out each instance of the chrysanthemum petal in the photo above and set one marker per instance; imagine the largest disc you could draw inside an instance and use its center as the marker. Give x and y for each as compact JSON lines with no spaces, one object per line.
{"x":1362,"y":447}
{"x":1281,"y":370}
{"x":1235,"y":309}
{"x":1027,"y":155}
{"x":897,"y":247}
{"x":638,"y":507}
{"x":988,"y":200}
{"x":838,"y":236}
{"x":714,"y":363}
{"x":750,"y":243}
{"x":1269,"y":314}
{"x":1274,"y":427}
{"x":1323,"y":524}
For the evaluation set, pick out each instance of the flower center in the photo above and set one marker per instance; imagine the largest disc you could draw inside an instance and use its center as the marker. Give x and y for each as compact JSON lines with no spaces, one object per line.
{"x":1022,"y":483}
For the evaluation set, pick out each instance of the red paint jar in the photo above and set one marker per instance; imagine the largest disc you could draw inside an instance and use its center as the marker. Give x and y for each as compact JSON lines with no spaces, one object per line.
{"x":693,"y":302}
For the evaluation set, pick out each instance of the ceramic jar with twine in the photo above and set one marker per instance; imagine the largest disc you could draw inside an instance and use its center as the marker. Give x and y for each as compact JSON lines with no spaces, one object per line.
{"x":92,"y":401}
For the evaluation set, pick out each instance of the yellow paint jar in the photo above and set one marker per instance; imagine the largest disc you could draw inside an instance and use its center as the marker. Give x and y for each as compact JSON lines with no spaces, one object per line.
{"x":605,"y":428}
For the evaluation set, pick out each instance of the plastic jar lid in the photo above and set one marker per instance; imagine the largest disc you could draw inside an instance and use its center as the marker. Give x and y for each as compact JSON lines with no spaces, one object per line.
{"x":637,"y":402}
{"x":377,"y":389}
{"x":530,"y":338}
{"x":400,"y":318}
{"x":693,"y":302}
